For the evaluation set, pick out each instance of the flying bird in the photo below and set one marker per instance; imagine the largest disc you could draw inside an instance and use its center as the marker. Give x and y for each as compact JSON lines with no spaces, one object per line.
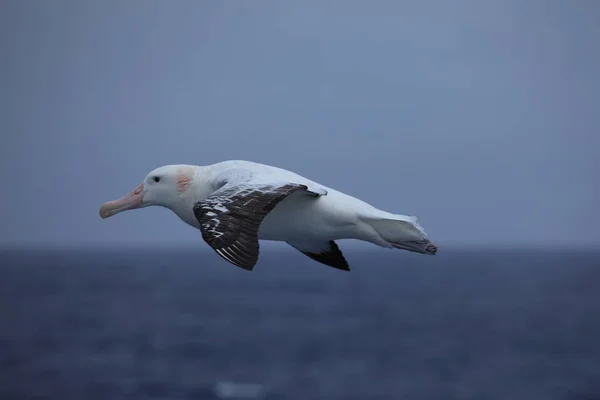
{"x":237,"y":203}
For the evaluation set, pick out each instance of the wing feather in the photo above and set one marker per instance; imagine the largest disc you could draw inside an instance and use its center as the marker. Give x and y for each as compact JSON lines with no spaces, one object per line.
{"x":231,"y":216}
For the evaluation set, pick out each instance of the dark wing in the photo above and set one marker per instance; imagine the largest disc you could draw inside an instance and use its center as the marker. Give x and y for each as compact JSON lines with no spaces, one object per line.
{"x":326,"y":252}
{"x":230,"y":217}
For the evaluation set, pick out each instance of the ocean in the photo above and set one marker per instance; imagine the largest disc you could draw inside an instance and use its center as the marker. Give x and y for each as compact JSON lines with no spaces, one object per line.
{"x":183,"y":324}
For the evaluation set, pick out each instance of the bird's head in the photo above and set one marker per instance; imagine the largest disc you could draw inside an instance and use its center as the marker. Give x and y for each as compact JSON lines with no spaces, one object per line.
{"x":163,"y":186}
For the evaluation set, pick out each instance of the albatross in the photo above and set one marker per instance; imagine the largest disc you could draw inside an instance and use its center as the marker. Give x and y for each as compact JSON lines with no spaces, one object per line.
{"x":236,"y":203}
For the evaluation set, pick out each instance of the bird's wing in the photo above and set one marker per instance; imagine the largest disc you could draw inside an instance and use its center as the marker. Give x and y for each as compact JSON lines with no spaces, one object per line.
{"x":325,"y":252}
{"x":231,"y":216}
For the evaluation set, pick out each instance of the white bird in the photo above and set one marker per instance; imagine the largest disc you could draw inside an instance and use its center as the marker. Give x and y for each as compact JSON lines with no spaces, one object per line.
{"x":237,"y":203}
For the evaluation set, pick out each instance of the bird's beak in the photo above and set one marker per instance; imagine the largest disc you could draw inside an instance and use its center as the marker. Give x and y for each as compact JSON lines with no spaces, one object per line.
{"x":130,"y":201}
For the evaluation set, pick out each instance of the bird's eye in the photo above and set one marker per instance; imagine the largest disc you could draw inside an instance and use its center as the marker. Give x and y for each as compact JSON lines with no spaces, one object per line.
{"x":156,"y":179}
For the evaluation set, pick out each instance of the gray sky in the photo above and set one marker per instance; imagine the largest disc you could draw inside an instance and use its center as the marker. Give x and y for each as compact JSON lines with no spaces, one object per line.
{"x":481,"y":118}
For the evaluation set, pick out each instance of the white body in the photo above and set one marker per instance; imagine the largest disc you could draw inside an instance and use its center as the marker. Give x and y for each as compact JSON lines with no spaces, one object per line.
{"x":304,"y":219}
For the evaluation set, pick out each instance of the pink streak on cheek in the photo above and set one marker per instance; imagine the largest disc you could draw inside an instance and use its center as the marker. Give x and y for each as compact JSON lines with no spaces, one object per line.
{"x":184,"y":180}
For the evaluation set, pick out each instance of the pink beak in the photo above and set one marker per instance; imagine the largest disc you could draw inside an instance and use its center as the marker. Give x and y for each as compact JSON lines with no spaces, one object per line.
{"x":130,"y":201}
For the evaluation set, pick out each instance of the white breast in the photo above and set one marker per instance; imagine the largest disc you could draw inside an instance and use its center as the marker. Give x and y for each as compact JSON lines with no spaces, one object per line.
{"x":303,"y":217}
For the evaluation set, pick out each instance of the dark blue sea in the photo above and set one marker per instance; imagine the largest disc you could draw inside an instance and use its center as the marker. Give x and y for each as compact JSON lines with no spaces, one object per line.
{"x":151,"y":324}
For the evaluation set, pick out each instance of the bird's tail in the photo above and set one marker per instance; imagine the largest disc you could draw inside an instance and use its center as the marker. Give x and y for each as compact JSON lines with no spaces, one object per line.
{"x":403,"y":232}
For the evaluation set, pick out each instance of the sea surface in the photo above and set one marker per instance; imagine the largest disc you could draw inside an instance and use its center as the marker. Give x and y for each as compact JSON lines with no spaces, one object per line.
{"x":179,"y":324}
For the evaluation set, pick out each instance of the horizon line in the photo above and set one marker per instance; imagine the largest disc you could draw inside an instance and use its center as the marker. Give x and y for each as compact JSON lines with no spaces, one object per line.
{"x":202,"y":247}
